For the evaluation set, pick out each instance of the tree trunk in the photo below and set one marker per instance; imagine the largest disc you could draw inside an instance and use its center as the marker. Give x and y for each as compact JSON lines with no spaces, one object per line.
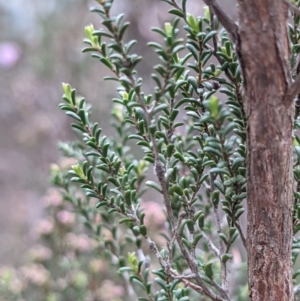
{"x":264,"y":51}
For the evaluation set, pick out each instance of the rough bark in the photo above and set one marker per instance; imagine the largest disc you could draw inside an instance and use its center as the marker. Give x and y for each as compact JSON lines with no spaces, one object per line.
{"x":264,"y":56}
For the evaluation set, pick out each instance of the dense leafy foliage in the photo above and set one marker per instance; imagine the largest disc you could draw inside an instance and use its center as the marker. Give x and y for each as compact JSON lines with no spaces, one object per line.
{"x":185,"y":132}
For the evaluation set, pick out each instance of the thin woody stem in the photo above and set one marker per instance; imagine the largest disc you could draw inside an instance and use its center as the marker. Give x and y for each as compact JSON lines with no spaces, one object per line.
{"x":223,"y":18}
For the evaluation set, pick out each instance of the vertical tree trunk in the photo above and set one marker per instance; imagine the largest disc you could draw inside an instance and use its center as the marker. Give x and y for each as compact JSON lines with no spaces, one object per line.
{"x":264,"y":50}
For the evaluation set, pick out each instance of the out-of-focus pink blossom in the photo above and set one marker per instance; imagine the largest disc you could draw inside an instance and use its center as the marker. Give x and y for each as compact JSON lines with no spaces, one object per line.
{"x":110,"y":291}
{"x":61,"y":283}
{"x":9,"y":277}
{"x":40,"y":253}
{"x":83,"y":243}
{"x":53,"y":198}
{"x":79,"y":243}
{"x":66,"y":163}
{"x":9,"y":54}
{"x":44,"y":227}
{"x":70,"y":255}
{"x":97,"y":265}
{"x":65,"y":217}
{"x":154,"y":214}
{"x":36,"y":274}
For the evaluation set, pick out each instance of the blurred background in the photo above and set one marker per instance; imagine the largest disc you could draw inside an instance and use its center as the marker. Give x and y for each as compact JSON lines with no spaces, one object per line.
{"x":40,"y":47}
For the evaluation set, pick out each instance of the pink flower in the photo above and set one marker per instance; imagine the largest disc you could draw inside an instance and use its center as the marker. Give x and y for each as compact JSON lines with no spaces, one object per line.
{"x":9,"y":54}
{"x":97,"y":265}
{"x":53,"y":198}
{"x":36,"y":274}
{"x":110,"y":291}
{"x":40,"y":253}
{"x":83,"y":243}
{"x":154,"y":214}
{"x":79,"y":243}
{"x":65,"y":218}
{"x":44,"y":227}
{"x":9,"y":278}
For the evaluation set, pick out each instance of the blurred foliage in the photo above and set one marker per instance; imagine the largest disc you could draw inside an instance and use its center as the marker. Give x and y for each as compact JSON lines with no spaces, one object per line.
{"x":39,"y":47}
{"x":63,"y":263}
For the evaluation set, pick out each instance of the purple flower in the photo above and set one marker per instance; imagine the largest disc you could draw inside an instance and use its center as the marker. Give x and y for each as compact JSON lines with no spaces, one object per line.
{"x":9,"y":54}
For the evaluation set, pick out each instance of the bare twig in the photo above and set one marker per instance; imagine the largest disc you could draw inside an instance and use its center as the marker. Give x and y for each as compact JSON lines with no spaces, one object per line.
{"x":207,"y":187}
{"x":211,"y":244}
{"x":243,"y":238}
{"x":292,"y":7}
{"x":212,"y":26}
{"x":226,"y":22}
{"x":297,"y":289}
{"x":217,"y":217}
{"x":190,"y":276}
{"x":221,"y":243}
{"x":160,"y":173}
{"x":202,"y":288}
{"x":208,"y":292}
{"x":293,"y":90}
{"x":219,"y":289}
{"x":173,"y":238}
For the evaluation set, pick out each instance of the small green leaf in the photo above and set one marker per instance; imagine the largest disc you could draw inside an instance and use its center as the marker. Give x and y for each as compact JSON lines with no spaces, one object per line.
{"x":126,"y":269}
{"x":215,"y":197}
{"x":67,"y":91}
{"x":201,"y":221}
{"x":223,"y":237}
{"x":161,"y":283}
{"x":196,"y":239}
{"x":192,"y":23}
{"x":143,"y":230}
{"x":219,"y":170}
{"x":212,"y":151}
{"x":213,"y":105}
{"x":209,"y":270}
{"x":154,"y":185}
{"x":226,"y":257}
{"x":185,"y":298}
{"x":137,"y":281}
{"x":239,"y":213}
{"x":209,"y":36}
{"x":125,"y":220}
{"x":176,"y":12}
{"x":73,"y":115}
{"x":106,"y":62}
{"x":176,"y":189}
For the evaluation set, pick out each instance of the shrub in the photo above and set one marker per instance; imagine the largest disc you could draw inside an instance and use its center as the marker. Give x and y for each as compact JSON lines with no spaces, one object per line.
{"x":193,"y":143}
{"x":63,"y":263}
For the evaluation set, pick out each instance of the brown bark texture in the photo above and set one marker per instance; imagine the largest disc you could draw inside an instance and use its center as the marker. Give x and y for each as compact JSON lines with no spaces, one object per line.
{"x":264,"y":55}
